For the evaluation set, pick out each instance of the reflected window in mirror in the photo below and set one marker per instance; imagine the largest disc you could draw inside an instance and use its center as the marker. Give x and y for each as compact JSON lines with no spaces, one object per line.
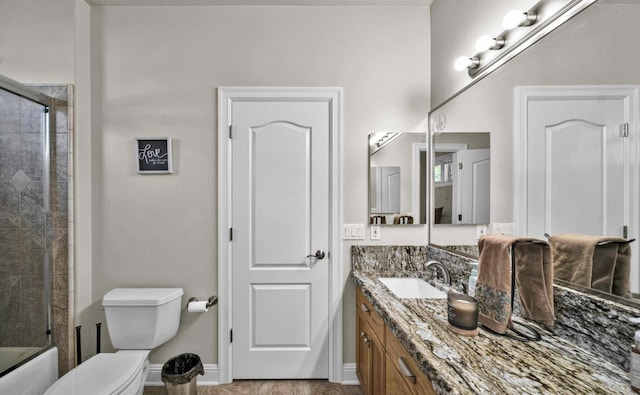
{"x":398,"y":178}
{"x":442,"y":169}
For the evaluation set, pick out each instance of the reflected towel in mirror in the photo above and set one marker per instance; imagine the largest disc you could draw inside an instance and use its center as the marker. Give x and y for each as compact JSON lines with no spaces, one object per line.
{"x":598,"y":262}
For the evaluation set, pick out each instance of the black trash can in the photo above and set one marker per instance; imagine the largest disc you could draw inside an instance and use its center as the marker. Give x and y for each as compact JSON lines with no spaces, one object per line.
{"x":180,"y":374}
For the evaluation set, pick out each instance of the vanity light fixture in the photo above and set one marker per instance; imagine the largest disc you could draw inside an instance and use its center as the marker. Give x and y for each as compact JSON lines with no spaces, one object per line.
{"x":464,"y":62}
{"x":518,"y":18}
{"x":485,"y":43}
{"x":386,"y":138}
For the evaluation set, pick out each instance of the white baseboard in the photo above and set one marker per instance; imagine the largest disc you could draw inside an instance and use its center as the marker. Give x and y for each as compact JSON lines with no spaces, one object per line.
{"x":211,"y":376}
{"x":349,"y":376}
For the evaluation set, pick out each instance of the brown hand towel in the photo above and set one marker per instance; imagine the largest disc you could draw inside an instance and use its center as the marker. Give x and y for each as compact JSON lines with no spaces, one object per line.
{"x":493,"y":287}
{"x":533,"y":277}
{"x":597,"y":262}
{"x":534,"y":280}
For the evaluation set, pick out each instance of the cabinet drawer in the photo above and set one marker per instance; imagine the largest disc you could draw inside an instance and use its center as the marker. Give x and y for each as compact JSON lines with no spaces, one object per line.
{"x":365,"y":308}
{"x":404,"y":368}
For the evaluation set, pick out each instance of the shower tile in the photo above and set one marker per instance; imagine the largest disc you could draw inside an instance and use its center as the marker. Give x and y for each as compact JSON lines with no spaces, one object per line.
{"x":31,"y":155}
{"x":9,"y":206}
{"x":9,"y":251}
{"x":62,"y":143}
{"x":60,"y":298}
{"x":10,"y":298}
{"x":10,"y":333}
{"x":61,"y":120}
{"x":20,"y":181}
{"x":10,"y":158}
{"x":32,"y":214}
{"x":60,"y":252}
{"x":59,"y":167}
{"x":9,"y":113}
{"x":32,"y":299}
{"x":61,"y":340}
{"x":59,"y":204}
{"x":32,"y":119}
{"x":55,"y":91}
{"x":31,"y":252}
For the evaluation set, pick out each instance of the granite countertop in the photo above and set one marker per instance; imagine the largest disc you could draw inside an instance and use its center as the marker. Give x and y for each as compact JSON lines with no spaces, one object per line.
{"x":488,"y":363}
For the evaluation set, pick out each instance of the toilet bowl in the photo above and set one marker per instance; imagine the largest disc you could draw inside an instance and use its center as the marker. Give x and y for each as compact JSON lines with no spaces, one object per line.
{"x":138,"y":320}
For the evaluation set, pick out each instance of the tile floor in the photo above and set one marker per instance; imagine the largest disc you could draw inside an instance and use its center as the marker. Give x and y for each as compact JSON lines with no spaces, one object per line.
{"x":272,"y":387}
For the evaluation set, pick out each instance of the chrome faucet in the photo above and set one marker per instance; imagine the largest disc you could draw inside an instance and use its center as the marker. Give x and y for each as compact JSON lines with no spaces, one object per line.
{"x":446,"y":277}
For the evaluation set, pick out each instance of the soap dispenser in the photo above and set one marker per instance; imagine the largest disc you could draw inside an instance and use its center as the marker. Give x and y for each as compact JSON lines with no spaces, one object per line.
{"x":472,"y":281}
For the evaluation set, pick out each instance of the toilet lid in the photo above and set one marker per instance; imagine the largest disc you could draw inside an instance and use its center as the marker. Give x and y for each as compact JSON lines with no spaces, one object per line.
{"x":103,"y":374}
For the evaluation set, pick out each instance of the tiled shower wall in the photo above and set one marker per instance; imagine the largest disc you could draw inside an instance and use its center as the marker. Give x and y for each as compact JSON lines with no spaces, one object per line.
{"x":26,"y":232}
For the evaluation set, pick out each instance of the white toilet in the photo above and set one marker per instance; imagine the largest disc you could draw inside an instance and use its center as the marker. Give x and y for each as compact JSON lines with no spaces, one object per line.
{"x":138,"y":320}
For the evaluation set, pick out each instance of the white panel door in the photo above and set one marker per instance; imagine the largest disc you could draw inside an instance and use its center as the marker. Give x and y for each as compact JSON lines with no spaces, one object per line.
{"x":577,"y":165}
{"x":472,"y":186}
{"x":390,"y":186}
{"x":280,"y":216}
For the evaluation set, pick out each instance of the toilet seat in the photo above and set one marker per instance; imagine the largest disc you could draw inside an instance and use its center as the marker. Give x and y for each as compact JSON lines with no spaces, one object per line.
{"x":104,"y":374}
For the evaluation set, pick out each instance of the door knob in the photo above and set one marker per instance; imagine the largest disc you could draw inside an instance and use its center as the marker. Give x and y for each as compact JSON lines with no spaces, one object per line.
{"x":319,"y":255}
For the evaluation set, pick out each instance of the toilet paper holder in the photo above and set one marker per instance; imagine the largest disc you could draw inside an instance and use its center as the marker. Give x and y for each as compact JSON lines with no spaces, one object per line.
{"x":213,"y":300}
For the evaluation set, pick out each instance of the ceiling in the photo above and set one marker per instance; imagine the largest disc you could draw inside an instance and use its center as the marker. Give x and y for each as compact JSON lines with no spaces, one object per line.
{"x":259,"y":2}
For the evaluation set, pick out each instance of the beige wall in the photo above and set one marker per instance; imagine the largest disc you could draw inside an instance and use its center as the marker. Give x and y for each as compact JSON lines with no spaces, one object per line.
{"x":37,"y":40}
{"x":153,"y":71}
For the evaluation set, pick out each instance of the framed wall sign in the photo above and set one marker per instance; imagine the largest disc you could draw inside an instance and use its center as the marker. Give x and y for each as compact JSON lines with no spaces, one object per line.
{"x":154,"y":155}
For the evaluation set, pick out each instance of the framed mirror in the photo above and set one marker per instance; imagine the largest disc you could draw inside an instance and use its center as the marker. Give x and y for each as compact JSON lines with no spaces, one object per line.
{"x":593,"y":49}
{"x":398,"y":178}
{"x":461,"y":178}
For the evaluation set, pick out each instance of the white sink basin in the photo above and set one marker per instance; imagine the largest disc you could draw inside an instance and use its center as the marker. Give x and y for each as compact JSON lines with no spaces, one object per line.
{"x":412,"y":288}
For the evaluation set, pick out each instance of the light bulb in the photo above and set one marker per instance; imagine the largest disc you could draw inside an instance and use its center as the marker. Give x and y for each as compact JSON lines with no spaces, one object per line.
{"x":513,"y":19}
{"x":484,"y":43}
{"x":517,"y":18}
{"x":462,"y":63}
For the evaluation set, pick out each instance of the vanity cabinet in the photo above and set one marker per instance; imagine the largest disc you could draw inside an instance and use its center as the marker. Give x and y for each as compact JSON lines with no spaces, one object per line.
{"x":383,"y":365}
{"x":370,"y":349}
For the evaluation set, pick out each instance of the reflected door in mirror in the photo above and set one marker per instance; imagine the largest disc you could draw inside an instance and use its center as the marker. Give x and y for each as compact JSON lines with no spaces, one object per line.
{"x":385,"y":189}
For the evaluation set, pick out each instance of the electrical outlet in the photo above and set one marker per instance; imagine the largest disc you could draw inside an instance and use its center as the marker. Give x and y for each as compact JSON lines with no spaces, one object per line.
{"x":375,"y":232}
{"x":481,"y":230}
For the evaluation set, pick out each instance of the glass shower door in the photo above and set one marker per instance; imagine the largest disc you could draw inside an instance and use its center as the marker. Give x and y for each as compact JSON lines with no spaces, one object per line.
{"x":25,"y":272}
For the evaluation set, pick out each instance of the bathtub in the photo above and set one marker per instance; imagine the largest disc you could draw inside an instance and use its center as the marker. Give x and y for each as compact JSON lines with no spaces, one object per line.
{"x":32,"y":377}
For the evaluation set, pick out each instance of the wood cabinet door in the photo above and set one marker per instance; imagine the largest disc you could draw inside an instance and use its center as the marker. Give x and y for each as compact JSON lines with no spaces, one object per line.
{"x":363,"y":354}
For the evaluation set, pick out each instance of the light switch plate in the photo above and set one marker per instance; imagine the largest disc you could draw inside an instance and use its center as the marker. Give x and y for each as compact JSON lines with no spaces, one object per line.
{"x":353,"y":231}
{"x":375,"y":232}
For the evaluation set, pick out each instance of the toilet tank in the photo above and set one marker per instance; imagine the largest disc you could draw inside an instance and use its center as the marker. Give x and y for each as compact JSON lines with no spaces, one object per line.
{"x":142,"y":318}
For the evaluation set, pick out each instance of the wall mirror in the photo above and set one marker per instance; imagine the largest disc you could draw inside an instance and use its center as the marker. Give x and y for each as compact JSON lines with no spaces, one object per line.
{"x":594,"y":48}
{"x":461,"y":178}
{"x":398,"y":178}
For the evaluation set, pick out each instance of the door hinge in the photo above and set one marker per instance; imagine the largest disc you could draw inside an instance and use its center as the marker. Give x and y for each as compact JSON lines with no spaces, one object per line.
{"x":459,"y":217}
{"x":625,"y":231}
{"x":460,"y":165}
{"x":230,"y":335}
{"x":230,"y":234}
{"x":625,"y":130}
{"x":231,"y":131}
